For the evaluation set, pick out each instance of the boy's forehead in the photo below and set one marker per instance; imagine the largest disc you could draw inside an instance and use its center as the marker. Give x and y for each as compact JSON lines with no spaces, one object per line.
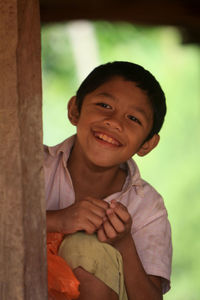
{"x":114,"y":83}
{"x":116,"y":86}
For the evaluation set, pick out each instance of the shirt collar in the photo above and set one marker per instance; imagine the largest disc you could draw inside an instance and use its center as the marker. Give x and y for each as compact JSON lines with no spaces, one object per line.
{"x":64,"y":147}
{"x":134,"y":178}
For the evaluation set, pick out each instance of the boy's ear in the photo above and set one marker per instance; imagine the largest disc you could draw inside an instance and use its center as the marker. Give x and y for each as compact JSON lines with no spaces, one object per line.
{"x":149,"y":145}
{"x":73,"y":113}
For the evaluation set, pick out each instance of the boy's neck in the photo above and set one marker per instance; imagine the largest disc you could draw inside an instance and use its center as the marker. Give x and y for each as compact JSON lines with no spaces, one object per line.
{"x":94,"y":181}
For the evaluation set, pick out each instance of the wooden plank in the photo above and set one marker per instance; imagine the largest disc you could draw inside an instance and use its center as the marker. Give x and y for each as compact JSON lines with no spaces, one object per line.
{"x":22,"y":205}
{"x":146,"y":12}
{"x":185,"y":15}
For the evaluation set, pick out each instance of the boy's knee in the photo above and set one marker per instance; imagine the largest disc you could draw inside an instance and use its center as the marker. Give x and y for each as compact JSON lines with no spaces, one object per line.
{"x":83,"y":251}
{"x":83,"y":248}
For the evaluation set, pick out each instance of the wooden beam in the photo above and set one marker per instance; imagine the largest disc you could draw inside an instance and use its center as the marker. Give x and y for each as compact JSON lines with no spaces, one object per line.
{"x":146,"y":12}
{"x":184,"y":14}
{"x":22,"y":205}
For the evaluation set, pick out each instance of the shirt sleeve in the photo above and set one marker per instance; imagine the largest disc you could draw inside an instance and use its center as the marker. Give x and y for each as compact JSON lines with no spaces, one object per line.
{"x":154,"y":247}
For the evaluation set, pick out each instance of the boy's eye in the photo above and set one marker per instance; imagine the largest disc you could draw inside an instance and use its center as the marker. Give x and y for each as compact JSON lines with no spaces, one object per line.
{"x":104,"y":105}
{"x":134,"y":119}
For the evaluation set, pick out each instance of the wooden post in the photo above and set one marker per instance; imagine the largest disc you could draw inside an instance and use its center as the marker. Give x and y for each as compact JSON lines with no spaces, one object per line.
{"x":22,"y":206}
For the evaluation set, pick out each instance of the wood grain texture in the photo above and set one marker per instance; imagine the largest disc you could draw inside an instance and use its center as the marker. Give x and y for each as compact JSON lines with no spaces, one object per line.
{"x":22,"y":205}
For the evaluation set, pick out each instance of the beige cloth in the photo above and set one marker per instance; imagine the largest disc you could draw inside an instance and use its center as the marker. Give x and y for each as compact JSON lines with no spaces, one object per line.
{"x":100,"y":259}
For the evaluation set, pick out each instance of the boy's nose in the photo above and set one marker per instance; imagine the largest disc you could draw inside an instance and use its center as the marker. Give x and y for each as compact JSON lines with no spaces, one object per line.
{"x":113,"y":123}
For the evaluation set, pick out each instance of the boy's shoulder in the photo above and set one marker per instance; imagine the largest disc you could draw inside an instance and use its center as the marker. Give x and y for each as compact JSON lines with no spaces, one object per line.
{"x":64,"y":147}
{"x":142,"y":186}
{"x":144,"y":201}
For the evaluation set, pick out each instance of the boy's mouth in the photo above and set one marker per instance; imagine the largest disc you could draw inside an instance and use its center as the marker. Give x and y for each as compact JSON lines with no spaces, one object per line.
{"x":106,"y":138}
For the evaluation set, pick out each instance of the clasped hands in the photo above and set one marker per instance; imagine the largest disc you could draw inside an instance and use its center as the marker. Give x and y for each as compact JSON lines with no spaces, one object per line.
{"x":111,"y":221}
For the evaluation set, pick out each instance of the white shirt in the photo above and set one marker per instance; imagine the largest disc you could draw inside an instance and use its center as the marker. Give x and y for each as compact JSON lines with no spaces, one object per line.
{"x":150,"y":226}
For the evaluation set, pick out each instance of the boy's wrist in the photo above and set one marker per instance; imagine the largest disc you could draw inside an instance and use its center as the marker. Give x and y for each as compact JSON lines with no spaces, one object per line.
{"x":53,"y":222}
{"x":124,"y":243}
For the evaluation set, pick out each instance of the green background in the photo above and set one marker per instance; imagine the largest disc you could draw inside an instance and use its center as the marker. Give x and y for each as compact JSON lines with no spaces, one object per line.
{"x":173,"y":167}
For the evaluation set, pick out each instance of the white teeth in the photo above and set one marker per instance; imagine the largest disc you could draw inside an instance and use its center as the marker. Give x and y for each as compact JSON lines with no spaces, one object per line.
{"x":107,"y":139}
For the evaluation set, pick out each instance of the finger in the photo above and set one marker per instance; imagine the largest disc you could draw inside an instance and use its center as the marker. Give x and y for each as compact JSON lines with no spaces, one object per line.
{"x":121,"y":211}
{"x":101,"y":203}
{"x":105,"y":218}
{"x":116,"y":222}
{"x":87,"y":212}
{"x":86,"y":205}
{"x":96,"y":220}
{"x":89,"y":228}
{"x":110,"y":232}
{"x":101,"y":235}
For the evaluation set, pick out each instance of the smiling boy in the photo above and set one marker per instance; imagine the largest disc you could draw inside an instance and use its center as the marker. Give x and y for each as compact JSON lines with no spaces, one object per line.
{"x":118,"y":238}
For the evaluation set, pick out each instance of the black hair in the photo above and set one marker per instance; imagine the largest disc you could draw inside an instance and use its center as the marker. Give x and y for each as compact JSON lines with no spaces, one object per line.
{"x":130,"y":72}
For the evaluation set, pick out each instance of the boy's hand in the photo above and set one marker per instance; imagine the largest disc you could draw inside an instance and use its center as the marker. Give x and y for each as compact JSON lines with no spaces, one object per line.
{"x":87,"y":215}
{"x":117,"y":226}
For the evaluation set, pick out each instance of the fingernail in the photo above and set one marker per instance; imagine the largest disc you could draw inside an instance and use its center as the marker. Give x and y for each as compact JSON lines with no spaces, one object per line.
{"x":113,"y":201}
{"x":112,"y":205}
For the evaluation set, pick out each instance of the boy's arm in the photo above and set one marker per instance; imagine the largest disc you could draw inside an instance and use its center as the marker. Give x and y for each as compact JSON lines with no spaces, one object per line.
{"x":53,"y":221}
{"x":117,"y":231}
{"x":139,"y":285}
{"x":86,"y":215}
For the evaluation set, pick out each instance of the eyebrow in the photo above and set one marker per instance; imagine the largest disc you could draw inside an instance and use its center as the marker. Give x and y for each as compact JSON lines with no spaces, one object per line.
{"x":107,"y":95}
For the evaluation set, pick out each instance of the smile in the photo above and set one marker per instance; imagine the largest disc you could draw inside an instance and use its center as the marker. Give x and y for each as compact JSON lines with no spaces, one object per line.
{"x":105,"y":138}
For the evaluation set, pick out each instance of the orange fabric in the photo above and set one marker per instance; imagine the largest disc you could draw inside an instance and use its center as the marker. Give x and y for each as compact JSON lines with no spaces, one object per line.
{"x":62,"y":283}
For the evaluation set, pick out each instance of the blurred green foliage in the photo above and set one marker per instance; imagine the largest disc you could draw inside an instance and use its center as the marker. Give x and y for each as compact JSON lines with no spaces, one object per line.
{"x":173,"y":167}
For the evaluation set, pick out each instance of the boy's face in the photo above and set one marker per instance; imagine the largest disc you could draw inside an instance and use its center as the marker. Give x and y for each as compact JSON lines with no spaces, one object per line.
{"x":113,"y":124}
